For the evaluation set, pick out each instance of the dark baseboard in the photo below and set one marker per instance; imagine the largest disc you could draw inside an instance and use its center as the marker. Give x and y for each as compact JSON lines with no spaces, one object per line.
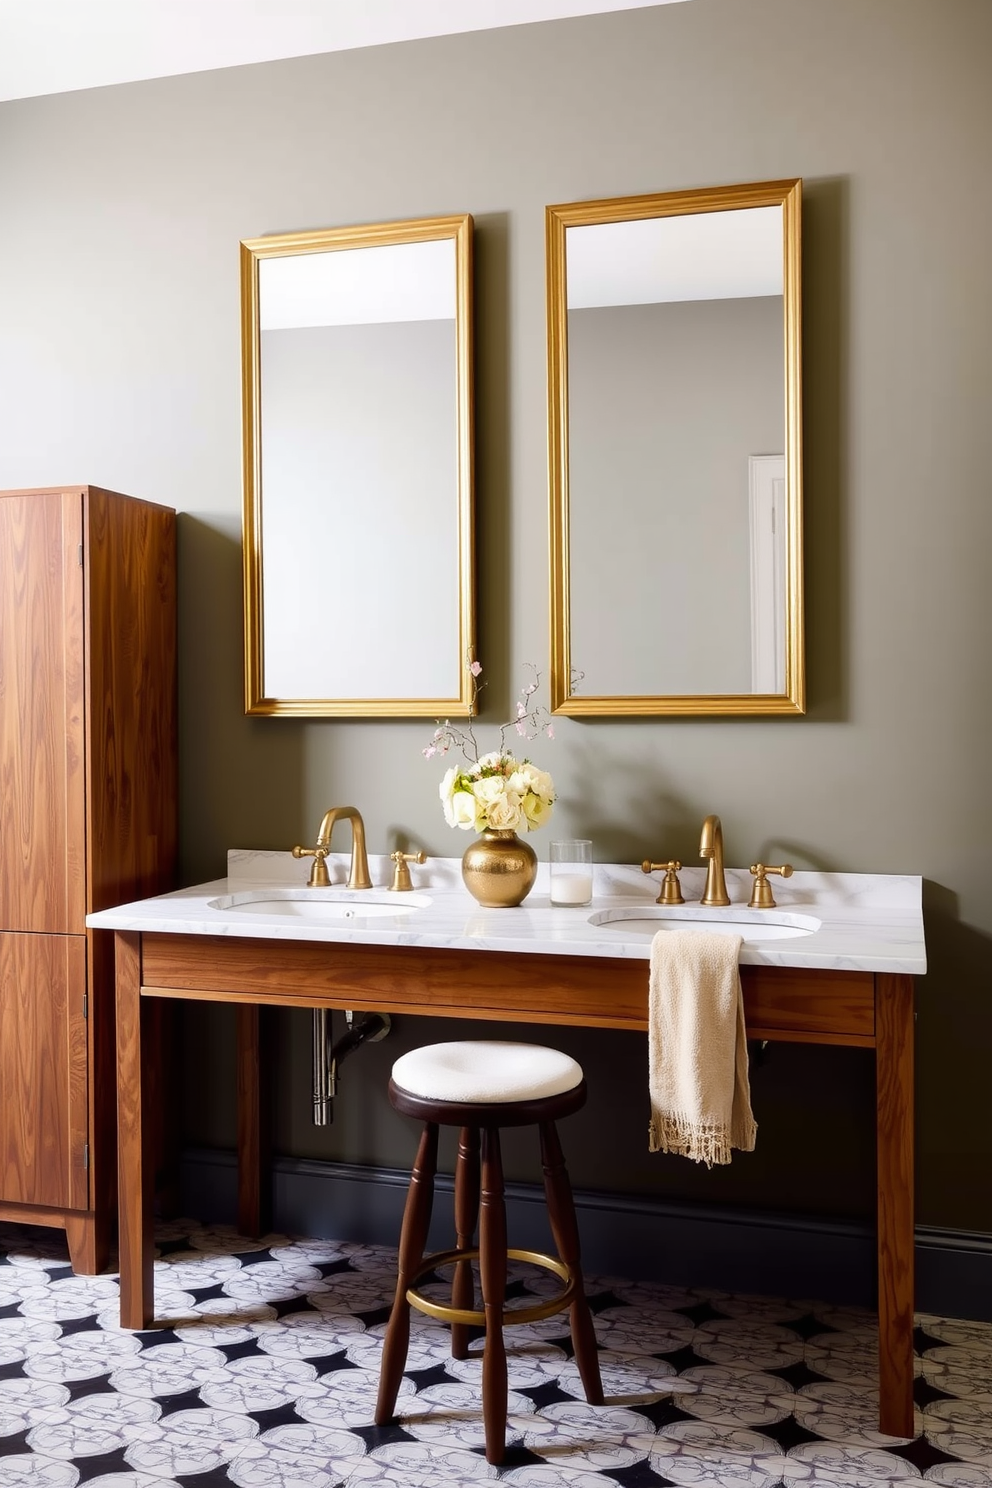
{"x":622,"y":1235}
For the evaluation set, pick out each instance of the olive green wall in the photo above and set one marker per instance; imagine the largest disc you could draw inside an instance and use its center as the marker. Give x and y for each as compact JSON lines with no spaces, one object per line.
{"x":122,"y":209}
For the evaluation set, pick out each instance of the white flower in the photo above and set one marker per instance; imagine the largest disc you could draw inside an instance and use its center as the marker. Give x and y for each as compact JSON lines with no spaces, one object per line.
{"x":536,"y":809}
{"x":447,"y":787}
{"x":458,"y":803}
{"x":506,"y":814}
{"x":464,"y":811}
{"x":490,"y":789}
{"x":495,"y":791}
{"x":541,"y":782}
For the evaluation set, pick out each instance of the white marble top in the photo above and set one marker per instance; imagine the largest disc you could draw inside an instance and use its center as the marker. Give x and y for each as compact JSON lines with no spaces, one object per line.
{"x":863,"y":922}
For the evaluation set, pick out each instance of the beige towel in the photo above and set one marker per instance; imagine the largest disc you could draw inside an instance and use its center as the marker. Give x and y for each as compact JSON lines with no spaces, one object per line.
{"x":700,"y":1097}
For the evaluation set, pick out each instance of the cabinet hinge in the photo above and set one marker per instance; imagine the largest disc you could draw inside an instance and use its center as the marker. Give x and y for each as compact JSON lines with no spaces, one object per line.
{"x":86,"y":1155}
{"x":80,"y":555}
{"x":86,"y":1004}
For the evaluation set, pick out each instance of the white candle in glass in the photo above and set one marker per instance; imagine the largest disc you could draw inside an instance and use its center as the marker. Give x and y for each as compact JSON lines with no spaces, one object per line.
{"x":571,"y":872}
{"x":571,"y":888}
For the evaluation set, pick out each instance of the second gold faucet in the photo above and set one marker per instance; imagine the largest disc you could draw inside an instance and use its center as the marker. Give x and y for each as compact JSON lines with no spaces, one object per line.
{"x":715,"y":891}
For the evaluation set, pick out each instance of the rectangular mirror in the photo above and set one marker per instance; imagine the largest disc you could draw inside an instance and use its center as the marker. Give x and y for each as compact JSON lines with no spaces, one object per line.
{"x":674,"y":392}
{"x":358,"y":505}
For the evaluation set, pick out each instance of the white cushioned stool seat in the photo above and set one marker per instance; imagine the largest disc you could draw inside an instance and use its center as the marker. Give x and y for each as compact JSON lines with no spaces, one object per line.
{"x":487,"y":1072}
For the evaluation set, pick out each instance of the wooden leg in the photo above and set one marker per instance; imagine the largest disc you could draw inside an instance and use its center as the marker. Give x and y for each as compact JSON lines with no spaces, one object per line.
{"x":88,"y":1239}
{"x":466,"y":1219}
{"x":413,"y":1241}
{"x":492,"y":1273}
{"x":254,"y":1158}
{"x":134,"y":1156}
{"x":894,"y":1139}
{"x":561,"y":1214}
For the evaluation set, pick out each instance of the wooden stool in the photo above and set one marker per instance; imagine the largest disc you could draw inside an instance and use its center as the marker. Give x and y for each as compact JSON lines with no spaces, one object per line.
{"x":481,"y":1087}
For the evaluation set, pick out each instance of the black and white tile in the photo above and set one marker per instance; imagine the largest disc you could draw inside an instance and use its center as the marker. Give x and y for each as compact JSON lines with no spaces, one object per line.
{"x":265,"y":1373}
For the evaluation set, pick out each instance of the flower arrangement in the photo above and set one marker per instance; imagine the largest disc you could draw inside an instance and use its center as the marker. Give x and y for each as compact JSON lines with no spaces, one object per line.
{"x":496,"y":791}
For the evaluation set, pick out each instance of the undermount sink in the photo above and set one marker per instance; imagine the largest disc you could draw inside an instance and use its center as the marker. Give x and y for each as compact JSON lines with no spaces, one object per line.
{"x":645,"y":920}
{"x":325,"y":905}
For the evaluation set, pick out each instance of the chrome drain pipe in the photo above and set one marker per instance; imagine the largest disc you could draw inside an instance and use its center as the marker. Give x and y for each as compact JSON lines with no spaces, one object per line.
{"x":367,"y":1028}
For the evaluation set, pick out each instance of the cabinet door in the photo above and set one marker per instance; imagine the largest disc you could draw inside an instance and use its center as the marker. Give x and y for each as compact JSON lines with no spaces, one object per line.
{"x":42,"y":816}
{"x":43,"y":1095}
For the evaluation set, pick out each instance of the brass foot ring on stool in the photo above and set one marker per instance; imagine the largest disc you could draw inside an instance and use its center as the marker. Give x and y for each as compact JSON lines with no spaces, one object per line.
{"x":448,"y":1314}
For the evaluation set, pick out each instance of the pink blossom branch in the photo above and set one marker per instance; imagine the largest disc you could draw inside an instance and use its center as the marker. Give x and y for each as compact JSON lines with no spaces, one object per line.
{"x":529,"y":721}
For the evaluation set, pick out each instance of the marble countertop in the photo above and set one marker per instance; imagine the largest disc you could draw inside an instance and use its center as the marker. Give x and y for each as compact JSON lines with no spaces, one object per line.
{"x":863,"y":922}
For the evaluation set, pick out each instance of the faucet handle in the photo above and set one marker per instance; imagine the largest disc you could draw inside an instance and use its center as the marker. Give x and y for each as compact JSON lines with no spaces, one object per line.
{"x":401,"y":873}
{"x":319,"y":876}
{"x":761,"y":894}
{"x":671,"y":889}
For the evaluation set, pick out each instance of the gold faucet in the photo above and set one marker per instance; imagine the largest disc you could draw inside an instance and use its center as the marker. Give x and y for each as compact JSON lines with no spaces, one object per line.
{"x":711,"y":846}
{"x":319,"y":878}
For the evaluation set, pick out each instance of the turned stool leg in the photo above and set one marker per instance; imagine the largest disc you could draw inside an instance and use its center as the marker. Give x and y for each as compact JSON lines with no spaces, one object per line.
{"x":492,"y":1270}
{"x":466,"y":1218}
{"x":413,"y":1242}
{"x":561,"y":1213}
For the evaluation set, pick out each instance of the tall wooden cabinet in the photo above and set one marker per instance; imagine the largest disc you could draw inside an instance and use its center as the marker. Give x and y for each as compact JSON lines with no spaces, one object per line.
{"x":87,"y":821}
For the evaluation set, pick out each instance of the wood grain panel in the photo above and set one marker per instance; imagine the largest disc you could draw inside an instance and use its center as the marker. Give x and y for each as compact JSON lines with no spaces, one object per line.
{"x":102,"y":1102}
{"x":131,"y":663}
{"x":77,"y":1069}
{"x":131,"y":773}
{"x":42,"y":1070}
{"x":87,"y":818}
{"x":594,"y":992}
{"x":795,"y":1000}
{"x":895,"y":1181}
{"x":41,"y":713}
{"x":133,"y":1141}
{"x":32,"y":1214}
{"x":87,"y":1236}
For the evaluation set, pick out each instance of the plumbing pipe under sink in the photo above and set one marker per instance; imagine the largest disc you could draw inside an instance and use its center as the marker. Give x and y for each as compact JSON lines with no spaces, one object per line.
{"x":327,"y":1057}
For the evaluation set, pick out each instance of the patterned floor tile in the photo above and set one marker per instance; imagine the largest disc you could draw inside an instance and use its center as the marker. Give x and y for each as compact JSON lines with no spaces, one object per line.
{"x":266,"y":1372}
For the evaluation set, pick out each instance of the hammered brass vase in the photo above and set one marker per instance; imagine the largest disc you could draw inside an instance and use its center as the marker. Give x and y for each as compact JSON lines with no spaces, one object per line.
{"x":499,"y":870}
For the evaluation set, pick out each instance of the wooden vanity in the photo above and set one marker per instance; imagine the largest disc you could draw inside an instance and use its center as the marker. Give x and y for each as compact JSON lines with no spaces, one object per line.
{"x":862,"y":1009}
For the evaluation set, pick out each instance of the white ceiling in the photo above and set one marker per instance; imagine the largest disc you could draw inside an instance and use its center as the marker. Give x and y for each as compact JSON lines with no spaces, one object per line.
{"x":58,"y":46}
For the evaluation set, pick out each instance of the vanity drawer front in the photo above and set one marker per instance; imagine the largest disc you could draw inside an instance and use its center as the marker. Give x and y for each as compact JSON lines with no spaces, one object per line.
{"x":785,"y":1000}
{"x":819,"y":1006}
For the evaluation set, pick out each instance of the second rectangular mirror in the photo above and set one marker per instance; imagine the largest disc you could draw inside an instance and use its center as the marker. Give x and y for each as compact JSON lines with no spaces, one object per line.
{"x":675,"y":452}
{"x":357,"y":394}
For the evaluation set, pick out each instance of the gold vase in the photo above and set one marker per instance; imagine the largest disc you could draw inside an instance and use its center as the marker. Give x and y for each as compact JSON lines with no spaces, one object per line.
{"x":499,"y":870}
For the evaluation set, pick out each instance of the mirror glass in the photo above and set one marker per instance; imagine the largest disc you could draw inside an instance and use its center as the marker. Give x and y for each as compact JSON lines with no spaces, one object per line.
{"x":358,"y":470}
{"x":675,"y":458}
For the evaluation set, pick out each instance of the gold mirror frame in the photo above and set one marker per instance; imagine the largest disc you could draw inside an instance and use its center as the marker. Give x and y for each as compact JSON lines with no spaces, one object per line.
{"x":564,"y":698}
{"x":253,"y":252}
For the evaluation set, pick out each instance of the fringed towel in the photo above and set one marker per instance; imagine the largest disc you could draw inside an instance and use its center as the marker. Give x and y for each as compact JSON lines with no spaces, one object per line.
{"x":700,"y":1097}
